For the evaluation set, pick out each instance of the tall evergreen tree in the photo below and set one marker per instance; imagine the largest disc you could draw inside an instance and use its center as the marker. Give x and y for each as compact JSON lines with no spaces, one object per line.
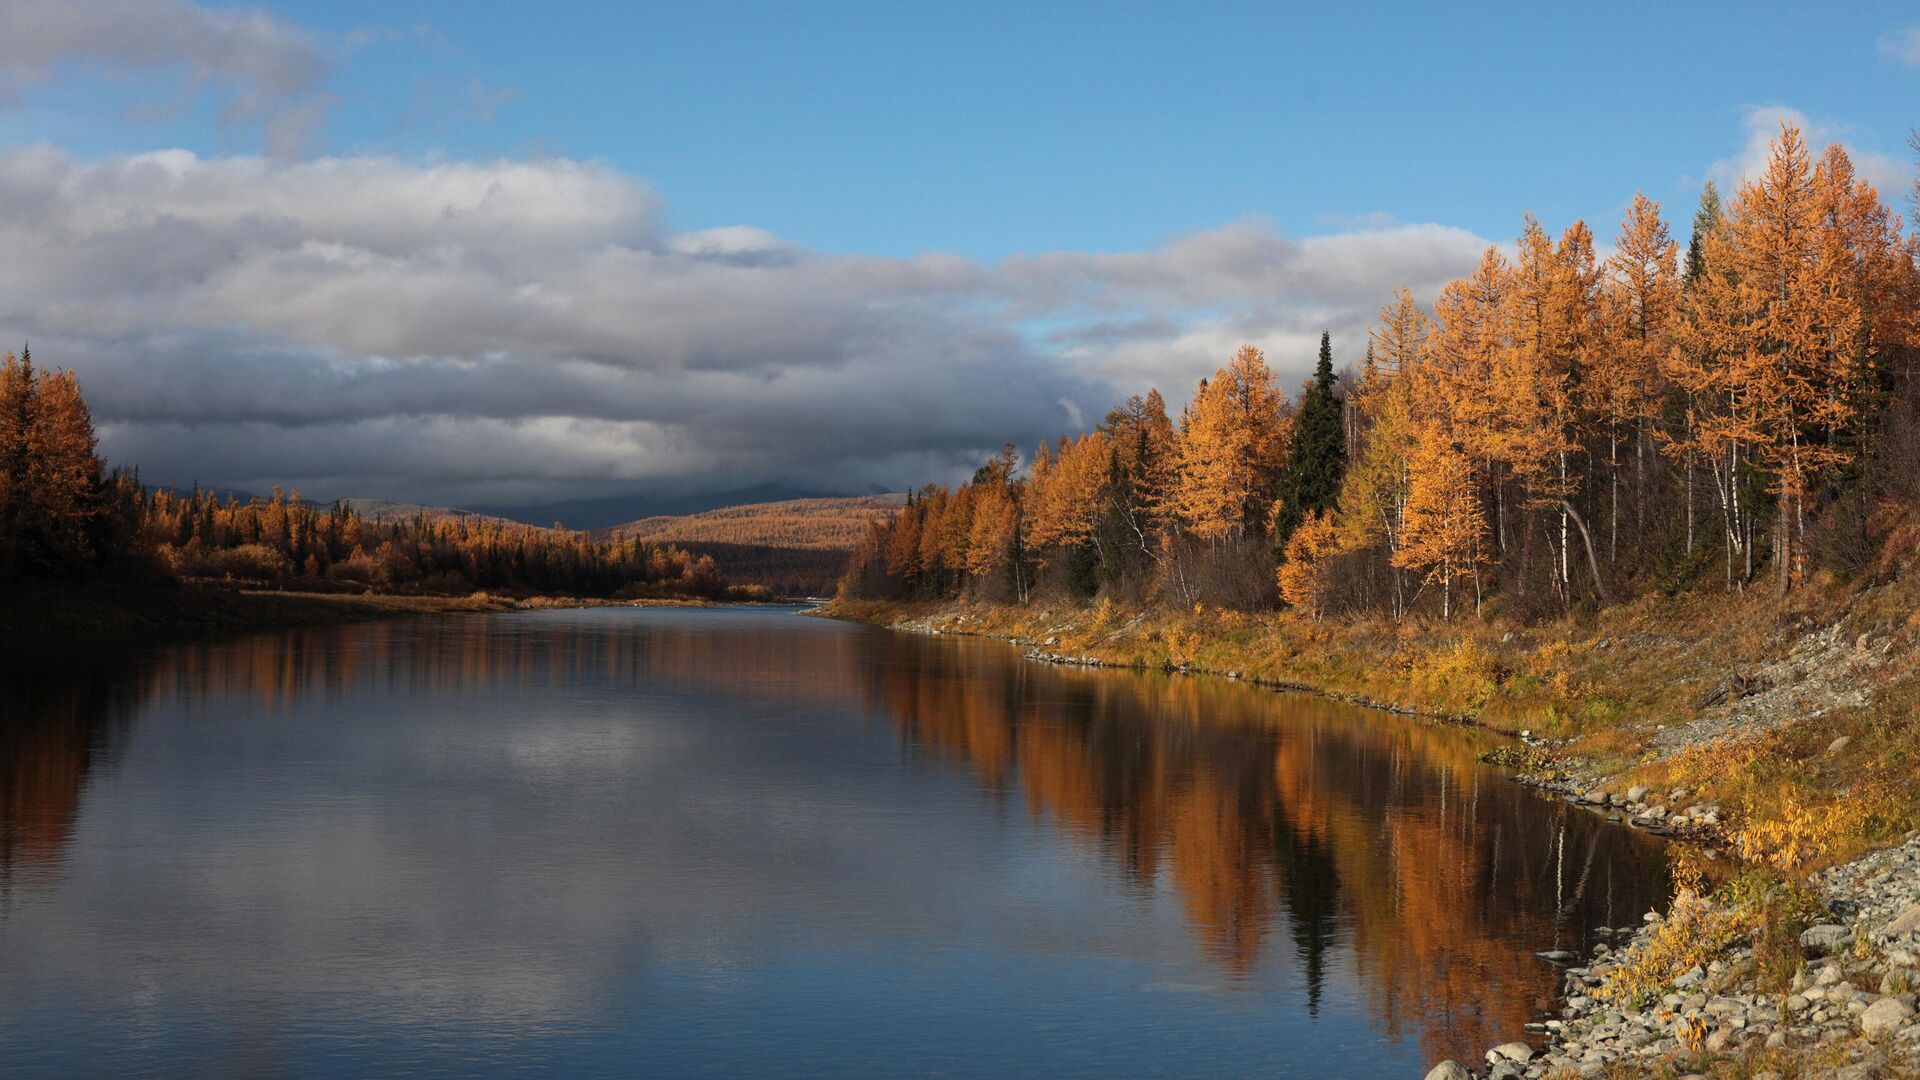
{"x":1705,"y":221}
{"x":1318,"y":459}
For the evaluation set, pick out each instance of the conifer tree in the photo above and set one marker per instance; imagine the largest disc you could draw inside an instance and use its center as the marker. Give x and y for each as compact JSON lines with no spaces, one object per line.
{"x":1317,"y":460}
{"x":1706,"y":220}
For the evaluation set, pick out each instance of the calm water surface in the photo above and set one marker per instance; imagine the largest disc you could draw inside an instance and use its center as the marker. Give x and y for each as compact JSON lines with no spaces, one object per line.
{"x":737,"y":842}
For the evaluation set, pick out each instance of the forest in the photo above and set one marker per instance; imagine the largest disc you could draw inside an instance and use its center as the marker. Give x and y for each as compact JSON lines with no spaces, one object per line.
{"x":1561,"y":430}
{"x":64,"y":516}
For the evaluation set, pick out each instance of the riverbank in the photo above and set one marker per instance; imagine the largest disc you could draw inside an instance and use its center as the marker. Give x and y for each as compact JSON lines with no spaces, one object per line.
{"x":1779,"y":736}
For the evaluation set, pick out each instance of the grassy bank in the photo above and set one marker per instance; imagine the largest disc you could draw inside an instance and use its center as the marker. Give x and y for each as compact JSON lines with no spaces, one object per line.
{"x":1796,"y":719}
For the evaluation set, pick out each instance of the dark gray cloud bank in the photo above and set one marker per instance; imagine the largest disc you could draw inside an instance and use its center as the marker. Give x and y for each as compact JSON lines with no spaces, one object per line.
{"x":518,"y":330}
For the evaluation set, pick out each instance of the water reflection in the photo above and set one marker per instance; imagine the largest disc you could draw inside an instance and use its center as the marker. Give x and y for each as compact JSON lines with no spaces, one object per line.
{"x":703,"y":835}
{"x":1339,"y":827}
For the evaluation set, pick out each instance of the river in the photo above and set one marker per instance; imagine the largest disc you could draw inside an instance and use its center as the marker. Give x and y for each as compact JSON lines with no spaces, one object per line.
{"x":734,"y":841}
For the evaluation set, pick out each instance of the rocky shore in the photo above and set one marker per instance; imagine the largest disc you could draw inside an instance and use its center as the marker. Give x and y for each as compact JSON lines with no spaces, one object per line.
{"x":1846,"y":1011}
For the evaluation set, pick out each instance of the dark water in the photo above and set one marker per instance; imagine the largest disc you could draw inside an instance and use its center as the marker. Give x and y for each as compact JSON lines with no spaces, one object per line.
{"x":738,"y":842}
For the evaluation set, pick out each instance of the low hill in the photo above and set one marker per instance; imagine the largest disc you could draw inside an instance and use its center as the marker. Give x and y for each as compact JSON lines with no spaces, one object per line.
{"x":793,"y":547}
{"x":389,"y":510}
{"x":613,"y":510}
{"x":816,"y":524}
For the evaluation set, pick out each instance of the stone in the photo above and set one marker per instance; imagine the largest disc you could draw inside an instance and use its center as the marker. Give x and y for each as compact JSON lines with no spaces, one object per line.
{"x":1513,"y":1051}
{"x":1597,"y":796}
{"x":1884,"y":1017}
{"x":1839,"y":744}
{"x":1449,"y":1070}
{"x":1637,"y":793}
{"x":1907,"y":922}
{"x":1825,"y":938}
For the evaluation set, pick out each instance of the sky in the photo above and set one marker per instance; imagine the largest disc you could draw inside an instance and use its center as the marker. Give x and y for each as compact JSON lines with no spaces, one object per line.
{"x":500,"y":253}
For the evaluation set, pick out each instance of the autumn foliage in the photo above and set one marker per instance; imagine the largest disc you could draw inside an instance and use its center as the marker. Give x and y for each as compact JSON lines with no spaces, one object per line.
{"x":1568,"y":425}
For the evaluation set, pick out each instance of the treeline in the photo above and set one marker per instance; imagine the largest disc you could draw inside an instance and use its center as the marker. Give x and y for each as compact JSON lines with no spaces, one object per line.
{"x":779,"y":571}
{"x":64,"y":516}
{"x":1558,"y":430}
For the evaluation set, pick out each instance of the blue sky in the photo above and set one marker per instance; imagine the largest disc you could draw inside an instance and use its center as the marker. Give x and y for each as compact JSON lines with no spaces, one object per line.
{"x":992,"y":128}
{"x":1204,"y":148}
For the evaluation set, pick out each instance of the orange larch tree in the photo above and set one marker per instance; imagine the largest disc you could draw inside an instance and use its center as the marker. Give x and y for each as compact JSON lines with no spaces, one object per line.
{"x":1230,"y":448}
{"x":1623,"y":386}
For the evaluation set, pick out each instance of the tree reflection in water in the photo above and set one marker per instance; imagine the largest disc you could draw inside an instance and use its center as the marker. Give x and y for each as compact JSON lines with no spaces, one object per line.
{"x":1296,"y":831}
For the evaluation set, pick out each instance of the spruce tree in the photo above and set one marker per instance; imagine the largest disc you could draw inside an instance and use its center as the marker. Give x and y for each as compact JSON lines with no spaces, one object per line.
{"x":1705,"y":220}
{"x":1318,"y":458}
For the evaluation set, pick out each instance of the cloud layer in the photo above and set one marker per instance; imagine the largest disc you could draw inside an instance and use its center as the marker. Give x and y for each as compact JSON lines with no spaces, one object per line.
{"x":532,"y":329}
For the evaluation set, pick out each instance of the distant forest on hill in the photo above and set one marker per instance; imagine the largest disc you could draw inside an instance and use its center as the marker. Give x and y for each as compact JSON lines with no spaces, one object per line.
{"x":793,"y":547}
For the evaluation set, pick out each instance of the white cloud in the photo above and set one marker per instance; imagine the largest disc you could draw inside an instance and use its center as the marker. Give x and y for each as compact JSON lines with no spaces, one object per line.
{"x":1762,"y":123}
{"x":1902,"y":45}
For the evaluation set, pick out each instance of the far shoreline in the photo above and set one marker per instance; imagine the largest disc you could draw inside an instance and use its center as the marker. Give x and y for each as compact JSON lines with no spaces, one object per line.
{"x":45,"y":618}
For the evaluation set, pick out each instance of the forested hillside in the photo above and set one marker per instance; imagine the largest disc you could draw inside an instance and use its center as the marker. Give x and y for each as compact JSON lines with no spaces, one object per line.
{"x":1564,"y":428}
{"x":826,"y":524}
{"x":65,"y":517}
{"x":792,"y":547}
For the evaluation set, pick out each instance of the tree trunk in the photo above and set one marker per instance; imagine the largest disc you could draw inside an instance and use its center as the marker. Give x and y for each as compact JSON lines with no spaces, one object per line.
{"x":1593,"y":563}
{"x":1783,"y":545}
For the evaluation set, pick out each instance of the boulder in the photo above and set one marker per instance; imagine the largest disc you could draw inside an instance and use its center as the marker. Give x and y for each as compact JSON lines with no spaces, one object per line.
{"x":1825,"y":938}
{"x":1449,"y":1070}
{"x":1884,"y":1017}
{"x":1907,"y":922}
{"x":1513,"y":1051}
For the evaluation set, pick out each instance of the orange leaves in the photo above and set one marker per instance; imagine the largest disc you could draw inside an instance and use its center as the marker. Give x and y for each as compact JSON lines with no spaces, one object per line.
{"x":1446,"y":530}
{"x":1639,"y":292}
{"x":1231,"y":445}
{"x":51,"y":482}
{"x":1772,"y":332}
{"x":995,"y":529}
{"x":1063,"y":493}
{"x":1305,"y":577}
